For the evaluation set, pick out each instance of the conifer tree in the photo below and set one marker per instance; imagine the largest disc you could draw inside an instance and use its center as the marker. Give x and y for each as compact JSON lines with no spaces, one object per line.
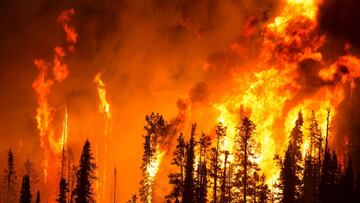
{"x":288,"y":176}
{"x":245,"y":153}
{"x":25,"y":194}
{"x":291,"y":170}
{"x":201,"y":171}
{"x":156,"y":129}
{"x":177,"y":178}
{"x":189,"y":185}
{"x":215,"y":166}
{"x":63,"y":190}
{"x":296,"y":140}
{"x":85,"y":176}
{"x":33,"y":175}
{"x":10,"y":180}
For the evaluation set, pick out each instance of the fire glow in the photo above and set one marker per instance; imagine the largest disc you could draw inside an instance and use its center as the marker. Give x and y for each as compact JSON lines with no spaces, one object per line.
{"x":271,"y":92}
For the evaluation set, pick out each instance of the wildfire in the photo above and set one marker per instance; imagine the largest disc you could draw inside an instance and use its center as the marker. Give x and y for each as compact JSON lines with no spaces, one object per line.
{"x":103,"y":155}
{"x":152,"y":170}
{"x":269,"y":97}
{"x":52,"y":144}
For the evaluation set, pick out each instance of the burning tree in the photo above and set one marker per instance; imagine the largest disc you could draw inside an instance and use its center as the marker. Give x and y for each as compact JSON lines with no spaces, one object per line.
{"x":215,"y":165}
{"x":201,"y":184}
{"x":156,"y":129}
{"x":177,"y":178}
{"x":290,"y":176}
{"x":245,"y":159}
{"x":189,"y":183}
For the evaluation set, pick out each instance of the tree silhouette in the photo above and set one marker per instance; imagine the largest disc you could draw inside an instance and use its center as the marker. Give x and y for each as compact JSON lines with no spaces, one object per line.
{"x":25,"y":194}
{"x":177,"y":178}
{"x":291,"y":170}
{"x":244,"y":155}
{"x":201,"y":184}
{"x":189,"y":188}
{"x":10,"y":179}
{"x":288,"y":176}
{"x":215,"y":164}
{"x":63,"y":190}
{"x":85,"y":176}
{"x":329,"y":188}
{"x":156,"y":129}
{"x":33,"y":175}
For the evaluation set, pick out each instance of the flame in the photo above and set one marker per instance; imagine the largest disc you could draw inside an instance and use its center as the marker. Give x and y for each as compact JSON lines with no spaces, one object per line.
{"x":52,"y":144}
{"x":152,"y":170}
{"x":104,"y":156}
{"x":269,"y":97}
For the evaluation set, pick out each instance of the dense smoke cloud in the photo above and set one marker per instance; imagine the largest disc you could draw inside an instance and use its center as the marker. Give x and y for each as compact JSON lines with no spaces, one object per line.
{"x":339,"y":19}
{"x":150,"y":53}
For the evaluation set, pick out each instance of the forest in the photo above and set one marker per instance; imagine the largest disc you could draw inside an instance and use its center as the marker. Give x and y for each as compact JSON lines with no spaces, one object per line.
{"x":205,"y":172}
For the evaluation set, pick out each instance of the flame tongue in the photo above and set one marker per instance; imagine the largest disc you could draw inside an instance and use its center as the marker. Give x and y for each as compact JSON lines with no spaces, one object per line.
{"x":52,"y":145}
{"x":103,"y":154}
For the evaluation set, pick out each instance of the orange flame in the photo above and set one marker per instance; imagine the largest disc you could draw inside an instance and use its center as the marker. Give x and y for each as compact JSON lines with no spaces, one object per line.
{"x":103,"y":153}
{"x":52,"y":144}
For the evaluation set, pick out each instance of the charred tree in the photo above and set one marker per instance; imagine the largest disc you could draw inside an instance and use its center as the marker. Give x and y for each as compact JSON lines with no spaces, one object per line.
{"x":291,"y":170}
{"x":85,"y":176}
{"x":215,"y":164}
{"x":63,"y":191}
{"x":25,"y":194}
{"x":189,"y":183}
{"x":10,"y":180}
{"x":33,"y":175}
{"x":176,"y":179}
{"x":201,"y":183}
{"x":244,"y":155}
{"x":288,"y":177}
{"x":155,"y":128}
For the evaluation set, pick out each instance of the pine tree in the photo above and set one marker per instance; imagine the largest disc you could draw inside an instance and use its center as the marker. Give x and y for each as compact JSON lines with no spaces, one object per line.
{"x":10,"y":180}
{"x":201,"y":187}
{"x":33,"y":175}
{"x":296,"y":141}
{"x":313,"y":159}
{"x":189,"y":188}
{"x":215,"y":164}
{"x":177,"y":178}
{"x":329,"y":189}
{"x":288,"y":176}
{"x":244,"y":155}
{"x":25,"y":194}
{"x":63,"y":189}
{"x":156,"y":128}
{"x":37,"y":197}
{"x":85,"y":176}
{"x":201,"y":171}
{"x":291,"y":170}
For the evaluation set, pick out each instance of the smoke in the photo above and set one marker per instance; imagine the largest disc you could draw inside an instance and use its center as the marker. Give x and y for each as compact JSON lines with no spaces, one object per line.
{"x":150,"y":53}
{"x":338,"y":19}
